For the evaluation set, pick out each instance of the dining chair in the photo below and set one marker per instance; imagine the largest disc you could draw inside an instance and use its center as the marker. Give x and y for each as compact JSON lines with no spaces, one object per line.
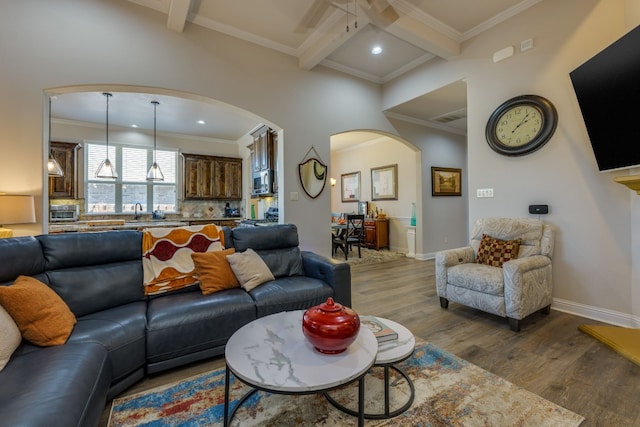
{"x":355,"y":232}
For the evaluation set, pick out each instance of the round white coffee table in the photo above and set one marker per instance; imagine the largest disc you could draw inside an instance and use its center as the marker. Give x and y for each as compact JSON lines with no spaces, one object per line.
{"x":272,"y":354}
{"x":389,"y":354}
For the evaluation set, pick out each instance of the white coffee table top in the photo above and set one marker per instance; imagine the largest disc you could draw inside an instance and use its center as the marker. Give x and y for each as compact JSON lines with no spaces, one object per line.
{"x":272,"y":353}
{"x":396,"y":350}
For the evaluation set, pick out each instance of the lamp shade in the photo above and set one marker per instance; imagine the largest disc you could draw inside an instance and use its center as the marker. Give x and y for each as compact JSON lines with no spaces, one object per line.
{"x":17,"y":209}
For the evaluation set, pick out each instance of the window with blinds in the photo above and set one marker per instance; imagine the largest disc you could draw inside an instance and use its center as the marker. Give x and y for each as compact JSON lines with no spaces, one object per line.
{"x":120,"y":196}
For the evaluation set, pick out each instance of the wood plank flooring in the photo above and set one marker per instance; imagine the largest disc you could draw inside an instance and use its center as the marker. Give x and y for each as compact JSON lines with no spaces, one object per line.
{"x":549,"y":356}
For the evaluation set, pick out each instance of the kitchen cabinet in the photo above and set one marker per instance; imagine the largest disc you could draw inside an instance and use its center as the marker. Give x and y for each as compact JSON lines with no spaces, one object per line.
{"x":228,"y":178}
{"x":219,"y":222}
{"x":376,"y":233}
{"x":198,"y":177}
{"x":64,"y":187}
{"x":264,"y":147}
{"x":212,"y":177}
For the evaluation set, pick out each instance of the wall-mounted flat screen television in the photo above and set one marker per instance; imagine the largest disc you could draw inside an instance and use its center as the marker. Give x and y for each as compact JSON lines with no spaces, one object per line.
{"x":607,"y":87}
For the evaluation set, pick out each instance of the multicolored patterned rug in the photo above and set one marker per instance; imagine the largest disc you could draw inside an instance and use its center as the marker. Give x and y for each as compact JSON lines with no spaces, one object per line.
{"x":449,"y":391}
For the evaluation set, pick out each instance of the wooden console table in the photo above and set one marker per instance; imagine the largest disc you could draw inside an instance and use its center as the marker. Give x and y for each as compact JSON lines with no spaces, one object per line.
{"x":376,"y":233}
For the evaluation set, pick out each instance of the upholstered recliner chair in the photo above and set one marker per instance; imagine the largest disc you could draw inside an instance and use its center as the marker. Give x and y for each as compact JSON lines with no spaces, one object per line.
{"x":522,"y":284}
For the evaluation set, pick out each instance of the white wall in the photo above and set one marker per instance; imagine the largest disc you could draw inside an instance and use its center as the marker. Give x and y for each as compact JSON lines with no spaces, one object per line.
{"x":592,"y":262}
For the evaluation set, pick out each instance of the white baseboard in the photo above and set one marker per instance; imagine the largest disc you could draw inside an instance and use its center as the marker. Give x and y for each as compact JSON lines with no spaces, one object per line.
{"x":596,"y":313}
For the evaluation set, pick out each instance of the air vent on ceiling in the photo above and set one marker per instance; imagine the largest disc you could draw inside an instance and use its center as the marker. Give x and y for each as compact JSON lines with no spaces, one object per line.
{"x":451,"y":116}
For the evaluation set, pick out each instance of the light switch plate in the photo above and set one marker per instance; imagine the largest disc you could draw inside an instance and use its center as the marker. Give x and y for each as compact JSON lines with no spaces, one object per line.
{"x":293,"y":196}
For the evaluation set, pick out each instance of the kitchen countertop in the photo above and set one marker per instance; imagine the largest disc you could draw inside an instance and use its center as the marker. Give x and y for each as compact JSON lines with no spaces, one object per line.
{"x":68,"y":227}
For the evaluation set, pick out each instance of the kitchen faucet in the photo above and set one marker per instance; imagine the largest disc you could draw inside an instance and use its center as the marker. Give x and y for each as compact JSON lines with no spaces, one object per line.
{"x":136,"y":215}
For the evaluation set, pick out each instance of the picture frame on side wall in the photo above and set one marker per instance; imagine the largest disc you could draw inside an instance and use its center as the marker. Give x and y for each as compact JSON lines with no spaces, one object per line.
{"x":446,"y":181}
{"x":384,"y":183}
{"x":350,"y":186}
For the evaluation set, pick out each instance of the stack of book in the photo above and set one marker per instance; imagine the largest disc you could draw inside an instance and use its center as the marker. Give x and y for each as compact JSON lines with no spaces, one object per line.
{"x":382,"y":332}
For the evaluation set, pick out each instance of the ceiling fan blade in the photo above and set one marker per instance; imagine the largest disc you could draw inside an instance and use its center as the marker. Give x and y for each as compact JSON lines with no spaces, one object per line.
{"x":386,"y":13}
{"x":313,"y":15}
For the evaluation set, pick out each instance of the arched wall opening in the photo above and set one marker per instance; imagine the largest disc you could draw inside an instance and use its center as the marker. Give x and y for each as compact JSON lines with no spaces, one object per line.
{"x":232,"y":141}
{"x":365,"y":156}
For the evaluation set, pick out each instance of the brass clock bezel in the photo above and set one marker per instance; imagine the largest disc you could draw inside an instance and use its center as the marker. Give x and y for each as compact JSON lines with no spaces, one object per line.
{"x":549,"y":124}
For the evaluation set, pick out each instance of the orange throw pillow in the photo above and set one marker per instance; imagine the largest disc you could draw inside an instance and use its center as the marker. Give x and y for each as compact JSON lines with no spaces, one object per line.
{"x":213,"y":271}
{"x":41,"y":315}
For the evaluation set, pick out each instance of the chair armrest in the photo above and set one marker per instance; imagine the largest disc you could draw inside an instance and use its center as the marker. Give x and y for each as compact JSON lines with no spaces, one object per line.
{"x":449,"y":258}
{"x":335,"y":274}
{"x":527,"y":285}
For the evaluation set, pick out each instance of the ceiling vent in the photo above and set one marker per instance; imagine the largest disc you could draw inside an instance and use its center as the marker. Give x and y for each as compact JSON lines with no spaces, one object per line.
{"x":451,"y":116}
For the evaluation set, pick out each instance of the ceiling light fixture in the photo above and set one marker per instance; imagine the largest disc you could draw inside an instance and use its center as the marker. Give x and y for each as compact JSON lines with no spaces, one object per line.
{"x":355,"y":15}
{"x":53,"y":167}
{"x":154,"y":173}
{"x":106,"y":168}
{"x":201,"y":122}
{"x":376,"y":50}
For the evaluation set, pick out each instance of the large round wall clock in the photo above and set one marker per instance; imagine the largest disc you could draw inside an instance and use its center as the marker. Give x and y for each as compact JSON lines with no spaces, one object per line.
{"x":521,"y":125}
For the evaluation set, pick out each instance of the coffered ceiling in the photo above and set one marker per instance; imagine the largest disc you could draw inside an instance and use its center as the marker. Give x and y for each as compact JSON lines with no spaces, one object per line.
{"x":410,"y":33}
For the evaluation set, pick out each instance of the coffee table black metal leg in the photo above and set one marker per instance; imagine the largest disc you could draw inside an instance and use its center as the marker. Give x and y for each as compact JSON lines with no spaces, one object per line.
{"x":226,"y":396}
{"x":386,"y":391}
{"x":361,"y":401}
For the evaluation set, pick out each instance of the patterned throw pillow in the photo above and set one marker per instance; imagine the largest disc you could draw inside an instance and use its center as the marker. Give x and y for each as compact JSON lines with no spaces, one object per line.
{"x":496,"y":252}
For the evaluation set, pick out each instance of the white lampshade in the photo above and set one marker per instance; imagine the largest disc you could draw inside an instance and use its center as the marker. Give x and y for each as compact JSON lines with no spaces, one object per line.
{"x":15,"y":209}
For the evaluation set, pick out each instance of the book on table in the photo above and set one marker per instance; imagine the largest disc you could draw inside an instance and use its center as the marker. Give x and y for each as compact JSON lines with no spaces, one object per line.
{"x":382,"y":332}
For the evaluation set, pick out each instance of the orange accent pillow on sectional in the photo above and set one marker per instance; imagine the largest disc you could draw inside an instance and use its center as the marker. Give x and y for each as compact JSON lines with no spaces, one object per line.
{"x":213,"y":271}
{"x":41,"y":315}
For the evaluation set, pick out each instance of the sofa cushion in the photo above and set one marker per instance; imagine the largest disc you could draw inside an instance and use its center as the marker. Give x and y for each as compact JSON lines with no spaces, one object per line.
{"x":214,"y":272}
{"x":41,"y":315}
{"x":290,"y":293}
{"x":496,"y":252}
{"x":262,"y":238}
{"x":63,"y":386}
{"x":249,"y":268}
{"x":10,"y":337}
{"x":166,"y":255}
{"x":20,"y":255}
{"x":478,"y":277}
{"x":283,"y":262}
{"x":185,"y":327}
{"x":121,"y":331}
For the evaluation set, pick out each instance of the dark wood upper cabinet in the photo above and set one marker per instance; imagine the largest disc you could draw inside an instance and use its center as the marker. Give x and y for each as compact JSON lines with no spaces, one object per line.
{"x":64,"y":187}
{"x":212,"y":178}
{"x":264,"y":147}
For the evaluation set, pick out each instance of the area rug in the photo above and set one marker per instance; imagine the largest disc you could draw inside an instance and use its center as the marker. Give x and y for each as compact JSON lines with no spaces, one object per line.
{"x":449,"y":391}
{"x":369,"y":256}
{"x":625,"y":341}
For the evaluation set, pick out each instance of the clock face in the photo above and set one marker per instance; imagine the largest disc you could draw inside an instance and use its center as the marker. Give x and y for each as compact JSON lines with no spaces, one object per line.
{"x":521,"y":125}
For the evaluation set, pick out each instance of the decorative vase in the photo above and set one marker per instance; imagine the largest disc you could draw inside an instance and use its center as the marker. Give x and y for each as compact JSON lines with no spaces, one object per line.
{"x":330,"y":327}
{"x":413,"y":214}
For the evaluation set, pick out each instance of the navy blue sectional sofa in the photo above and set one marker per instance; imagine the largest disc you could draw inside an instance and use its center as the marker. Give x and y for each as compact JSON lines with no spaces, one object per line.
{"x":121,"y":335}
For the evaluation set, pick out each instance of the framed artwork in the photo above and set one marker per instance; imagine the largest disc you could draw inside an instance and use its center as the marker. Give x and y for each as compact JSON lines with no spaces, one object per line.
{"x":350,"y":187}
{"x":384,"y":183}
{"x":446,"y":181}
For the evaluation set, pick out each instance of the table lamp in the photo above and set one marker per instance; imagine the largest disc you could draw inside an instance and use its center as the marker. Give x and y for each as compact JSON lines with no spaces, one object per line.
{"x":15,"y":209}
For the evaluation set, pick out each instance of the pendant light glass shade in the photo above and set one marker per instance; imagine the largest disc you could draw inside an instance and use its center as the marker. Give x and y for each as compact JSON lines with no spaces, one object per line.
{"x":154,"y":173}
{"x":53,"y":167}
{"x":106,"y":168}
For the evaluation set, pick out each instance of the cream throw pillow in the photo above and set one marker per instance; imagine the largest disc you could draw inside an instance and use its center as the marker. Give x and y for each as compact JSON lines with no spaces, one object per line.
{"x":10,"y":337}
{"x":250,"y":269}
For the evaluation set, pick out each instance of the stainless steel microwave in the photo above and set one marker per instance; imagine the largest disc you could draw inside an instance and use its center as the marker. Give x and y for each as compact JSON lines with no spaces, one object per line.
{"x":263,"y":182}
{"x":63,"y":213}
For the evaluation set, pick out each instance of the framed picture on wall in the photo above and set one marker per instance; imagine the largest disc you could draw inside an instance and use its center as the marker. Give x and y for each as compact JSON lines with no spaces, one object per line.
{"x":384,"y":183}
{"x":446,"y":181}
{"x":350,"y":187}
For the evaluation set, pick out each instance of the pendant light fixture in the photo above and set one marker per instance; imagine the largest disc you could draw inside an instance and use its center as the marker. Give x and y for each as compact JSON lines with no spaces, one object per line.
{"x":53,"y":167}
{"x":106,"y":168}
{"x":154,"y":173}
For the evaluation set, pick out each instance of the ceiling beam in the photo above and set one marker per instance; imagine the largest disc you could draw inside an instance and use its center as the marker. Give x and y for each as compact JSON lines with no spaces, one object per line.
{"x":425,"y":37}
{"x":328,"y":37}
{"x":177,"y":15}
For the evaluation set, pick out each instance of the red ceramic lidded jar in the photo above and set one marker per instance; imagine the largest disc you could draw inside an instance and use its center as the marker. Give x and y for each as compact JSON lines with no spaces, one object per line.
{"x":330,"y":327}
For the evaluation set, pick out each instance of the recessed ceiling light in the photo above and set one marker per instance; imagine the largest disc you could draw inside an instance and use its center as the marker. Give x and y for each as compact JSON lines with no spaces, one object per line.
{"x":201,"y":122}
{"x":376,"y":50}
{"x":134,"y":126}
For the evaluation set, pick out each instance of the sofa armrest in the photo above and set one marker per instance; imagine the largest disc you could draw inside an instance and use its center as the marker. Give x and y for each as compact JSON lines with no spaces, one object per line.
{"x":449,"y":258}
{"x":335,"y":274}
{"x":527,"y":285}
